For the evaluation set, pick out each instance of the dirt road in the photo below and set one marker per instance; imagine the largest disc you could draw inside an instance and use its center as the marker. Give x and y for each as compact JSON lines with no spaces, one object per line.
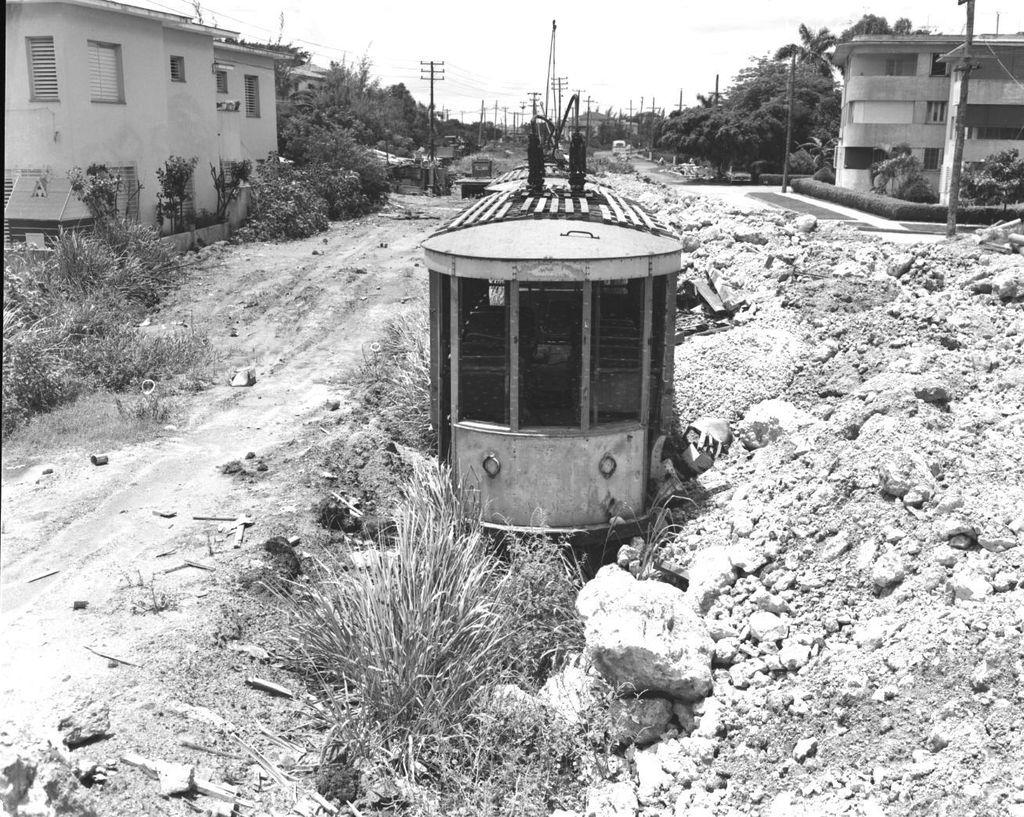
{"x":302,"y":312}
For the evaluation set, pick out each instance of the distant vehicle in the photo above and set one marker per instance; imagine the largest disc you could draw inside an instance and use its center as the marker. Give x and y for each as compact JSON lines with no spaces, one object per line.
{"x":619,"y":146}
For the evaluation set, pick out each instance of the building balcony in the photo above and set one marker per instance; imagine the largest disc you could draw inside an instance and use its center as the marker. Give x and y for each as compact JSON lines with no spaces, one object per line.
{"x":882,"y":88}
{"x":876,"y":135}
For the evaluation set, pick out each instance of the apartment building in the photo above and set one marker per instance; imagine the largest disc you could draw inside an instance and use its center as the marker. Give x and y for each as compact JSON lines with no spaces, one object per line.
{"x":903,"y":90}
{"x":96,"y":82}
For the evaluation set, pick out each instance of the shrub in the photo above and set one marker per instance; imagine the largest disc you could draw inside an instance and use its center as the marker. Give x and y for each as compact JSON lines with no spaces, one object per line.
{"x":611,"y":164}
{"x":997,"y":180}
{"x":775,"y":179}
{"x":888,"y":207}
{"x":284,"y":205}
{"x":174,"y":178}
{"x":394,"y":381}
{"x":919,"y":191}
{"x":801,"y":163}
{"x":826,"y":175}
{"x":69,"y":319}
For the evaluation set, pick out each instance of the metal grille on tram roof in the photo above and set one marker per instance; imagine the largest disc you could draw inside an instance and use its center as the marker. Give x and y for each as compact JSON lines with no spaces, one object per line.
{"x":596,"y":204}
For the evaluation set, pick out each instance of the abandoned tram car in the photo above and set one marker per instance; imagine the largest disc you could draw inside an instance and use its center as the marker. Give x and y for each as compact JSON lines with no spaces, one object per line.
{"x":552,"y":334}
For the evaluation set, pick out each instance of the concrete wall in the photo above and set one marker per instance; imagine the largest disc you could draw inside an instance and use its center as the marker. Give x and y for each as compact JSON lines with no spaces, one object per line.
{"x":158,"y":118}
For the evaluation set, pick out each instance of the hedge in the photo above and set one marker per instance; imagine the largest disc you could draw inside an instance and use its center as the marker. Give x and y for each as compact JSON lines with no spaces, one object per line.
{"x":775,"y":179}
{"x":899,"y":210}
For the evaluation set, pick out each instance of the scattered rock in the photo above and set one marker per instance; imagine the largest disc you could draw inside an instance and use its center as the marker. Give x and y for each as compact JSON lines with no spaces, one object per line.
{"x":244,"y":377}
{"x":608,"y":799}
{"x":710,"y":573}
{"x":765,"y":626}
{"x":90,"y":724}
{"x":639,"y":720}
{"x":806,"y":223}
{"x":805,"y":748}
{"x":887,"y":572}
{"x":968,"y":584}
{"x":644,"y":636}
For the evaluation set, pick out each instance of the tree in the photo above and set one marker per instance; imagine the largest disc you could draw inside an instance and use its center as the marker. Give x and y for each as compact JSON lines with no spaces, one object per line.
{"x":812,"y":49}
{"x":717,"y":135}
{"x":174,"y":178}
{"x":999,"y":180}
{"x":874,"y":24}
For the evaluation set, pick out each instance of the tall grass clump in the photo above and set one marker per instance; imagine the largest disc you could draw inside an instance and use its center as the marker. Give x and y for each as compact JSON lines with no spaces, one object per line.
{"x":71,"y":316}
{"x":395,"y":380}
{"x":410,"y":654}
{"x":404,"y":648}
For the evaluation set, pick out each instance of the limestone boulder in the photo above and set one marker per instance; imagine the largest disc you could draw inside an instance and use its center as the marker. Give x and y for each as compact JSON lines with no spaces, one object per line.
{"x":645,"y":636}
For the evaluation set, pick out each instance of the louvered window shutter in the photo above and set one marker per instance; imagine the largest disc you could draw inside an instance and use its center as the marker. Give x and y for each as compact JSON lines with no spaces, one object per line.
{"x":252,"y":95}
{"x":105,"y":72}
{"x":42,"y":68}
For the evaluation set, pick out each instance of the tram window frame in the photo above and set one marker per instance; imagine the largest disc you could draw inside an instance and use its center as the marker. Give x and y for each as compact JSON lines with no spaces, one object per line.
{"x":474,"y":402}
{"x":507,"y":294}
{"x":607,"y":343}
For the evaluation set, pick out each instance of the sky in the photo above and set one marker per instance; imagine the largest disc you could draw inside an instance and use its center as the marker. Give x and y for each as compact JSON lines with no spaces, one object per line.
{"x":614,"y":53}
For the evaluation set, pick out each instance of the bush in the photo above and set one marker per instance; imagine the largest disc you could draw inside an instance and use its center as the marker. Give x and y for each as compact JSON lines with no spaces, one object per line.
{"x":284,"y":205}
{"x":775,"y":179}
{"x":70,"y":319}
{"x":888,"y":207}
{"x":394,"y":381}
{"x":826,"y":175}
{"x":997,"y":180}
{"x":801,"y":163}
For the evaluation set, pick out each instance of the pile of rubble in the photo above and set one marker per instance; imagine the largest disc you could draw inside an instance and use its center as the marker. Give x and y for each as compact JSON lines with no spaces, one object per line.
{"x":835,"y":626}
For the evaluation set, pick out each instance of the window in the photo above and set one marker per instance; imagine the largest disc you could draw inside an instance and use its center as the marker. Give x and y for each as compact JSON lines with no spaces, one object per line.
{"x":903,"y":65}
{"x":42,"y":69}
{"x":252,"y":95}
{"x":939,"y":69}
{"x":177,"y":69}
{"x":932,"y":158}
{"x":106,"y":82}
{"x":483,"y":351}
{"x":858,"y":158}
{"x":935,"y":113}
{"x":616,"y":352}
{"x":550,"y":354}
{"x":222,"y":82}
{"x":1012,"y":134}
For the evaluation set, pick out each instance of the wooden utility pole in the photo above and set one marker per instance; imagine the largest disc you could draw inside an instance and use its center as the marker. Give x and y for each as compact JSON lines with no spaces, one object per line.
{"x":953,"y":202}
{"x":559,"y":84}
{"x":480,"y":138}
{"x":589,"y":100}
{"x":504,"y":126}
{"x":789,"y":120}
{"x":533,"y":98}
{"x":680,"y":99}
{"x":436,"y":74}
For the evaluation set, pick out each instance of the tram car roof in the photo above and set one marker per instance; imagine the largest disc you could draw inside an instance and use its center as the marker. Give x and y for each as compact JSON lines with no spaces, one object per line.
{"x":556,"y":235}
{"x":515,"y":178}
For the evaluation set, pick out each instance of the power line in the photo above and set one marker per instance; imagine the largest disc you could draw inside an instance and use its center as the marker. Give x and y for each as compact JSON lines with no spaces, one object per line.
{"x":435,"y":74}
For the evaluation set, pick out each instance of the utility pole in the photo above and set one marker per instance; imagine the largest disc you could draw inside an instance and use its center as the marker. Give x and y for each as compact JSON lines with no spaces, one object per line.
{"x":480,"y":138}
{"x":558,"y":84}
{"x":953,"y":202}
{"x":789,"y":120}
{"x":522,"y":118}
{"x":716,"y":90}
{"x":654,"y":111}
{"x":505,"y":125}
{"x":436,"y":74}
{"x":495,"y":118}
{"x":533,"y":98}
{"x":589,"y":100}
{"x":680,"y":100}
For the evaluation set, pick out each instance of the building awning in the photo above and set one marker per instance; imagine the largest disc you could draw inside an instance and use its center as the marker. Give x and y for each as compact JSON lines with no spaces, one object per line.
{"x":41,"y":198}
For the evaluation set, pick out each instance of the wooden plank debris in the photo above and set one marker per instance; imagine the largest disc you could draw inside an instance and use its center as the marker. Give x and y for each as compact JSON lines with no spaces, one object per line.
{"x":42,"y":576}
{"x":269,"y":686}
{"x":111,"y":657}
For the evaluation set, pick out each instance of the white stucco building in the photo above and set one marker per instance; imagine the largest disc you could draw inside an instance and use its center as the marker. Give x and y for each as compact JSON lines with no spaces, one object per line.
{"x":903,"y":89}
{"x":98,"y":82}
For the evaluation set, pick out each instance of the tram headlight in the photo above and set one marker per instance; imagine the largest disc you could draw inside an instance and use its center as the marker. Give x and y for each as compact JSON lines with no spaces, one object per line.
{"x":607,"y":466}
{"x":492,"y":465}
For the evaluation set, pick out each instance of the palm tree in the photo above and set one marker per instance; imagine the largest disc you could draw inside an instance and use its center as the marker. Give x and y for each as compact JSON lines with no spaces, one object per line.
{"x":812,"y":49}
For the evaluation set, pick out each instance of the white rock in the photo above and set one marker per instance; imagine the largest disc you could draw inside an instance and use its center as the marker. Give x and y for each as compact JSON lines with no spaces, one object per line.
{"x":944,"y":555}
{"x":765,"y":626}
{"x":710,"y":713}
{"x":968,"y":584}
{"x":571,"y":692}
{"x":746,"y":558}
{"x":806,"y":223}
{"x":871,"y":634}
{"x":793,"y":656}
{"x":652,"y":779}
{"x":611,"y":800}
{"x":887,"y":571}
{"x":645,"y":636}
{"x":710,"y":573}
{"x":768,"y":420}
{"x":805,"y":748}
